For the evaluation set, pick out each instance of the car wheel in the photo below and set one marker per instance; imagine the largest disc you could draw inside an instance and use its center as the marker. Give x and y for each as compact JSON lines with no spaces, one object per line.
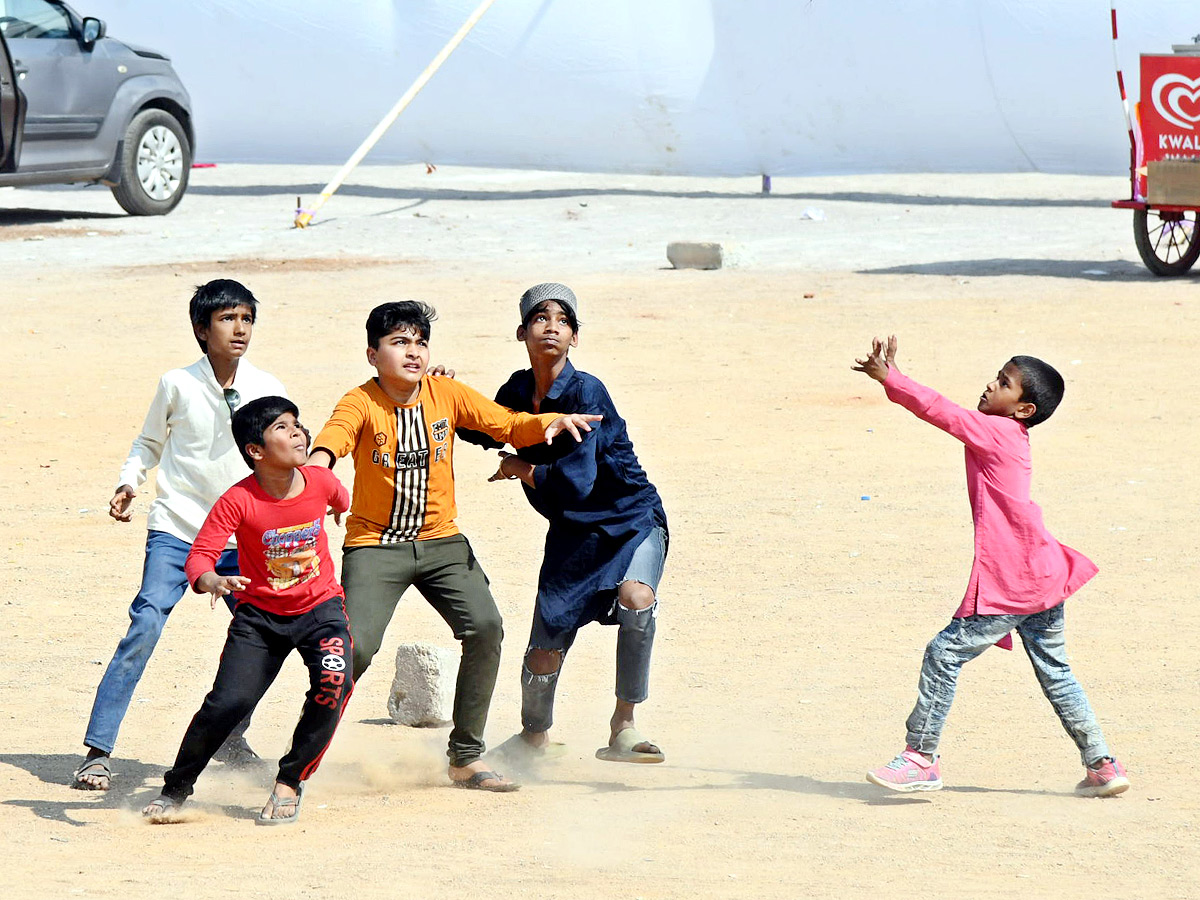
{"x":155,"y":163}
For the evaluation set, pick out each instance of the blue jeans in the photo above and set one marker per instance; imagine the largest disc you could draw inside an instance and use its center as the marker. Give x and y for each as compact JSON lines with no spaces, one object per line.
{"x":163,"y":584}
{"x":1043,"y":635}
{"x":635,"y":641}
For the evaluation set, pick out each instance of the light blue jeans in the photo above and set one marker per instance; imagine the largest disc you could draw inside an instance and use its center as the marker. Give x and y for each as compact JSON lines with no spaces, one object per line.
{"x":163,"y":584}
{"x":1044,"y":637}
{"x":635,"y":641}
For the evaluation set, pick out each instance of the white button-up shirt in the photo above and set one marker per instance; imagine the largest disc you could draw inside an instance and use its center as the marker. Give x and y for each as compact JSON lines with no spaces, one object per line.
{"x":187,"y":434}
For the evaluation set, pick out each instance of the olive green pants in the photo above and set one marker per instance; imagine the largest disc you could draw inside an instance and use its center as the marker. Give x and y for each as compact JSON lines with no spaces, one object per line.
{"x":447,"y":574}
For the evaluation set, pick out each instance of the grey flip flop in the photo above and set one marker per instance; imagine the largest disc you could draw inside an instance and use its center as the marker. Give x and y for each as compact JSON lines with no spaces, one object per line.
{"x":621,"y":749}
{"x":278,"y":803}
{"x":476,"y":783}
{"x":97,"y":765}
{"x":167,"y":808}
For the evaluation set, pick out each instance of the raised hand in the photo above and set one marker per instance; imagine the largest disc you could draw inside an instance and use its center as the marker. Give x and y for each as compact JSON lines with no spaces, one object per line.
{"x":881,"y":359}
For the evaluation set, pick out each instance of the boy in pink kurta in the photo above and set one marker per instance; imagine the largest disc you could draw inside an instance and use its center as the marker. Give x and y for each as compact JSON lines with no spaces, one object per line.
{"x":1020,"y":577}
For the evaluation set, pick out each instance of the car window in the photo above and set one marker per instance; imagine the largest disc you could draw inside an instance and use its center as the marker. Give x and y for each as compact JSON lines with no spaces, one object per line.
{"x":33,"y":19}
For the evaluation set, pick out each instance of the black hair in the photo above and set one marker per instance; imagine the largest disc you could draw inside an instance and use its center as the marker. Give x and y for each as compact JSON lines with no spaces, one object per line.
{"x":250,"y":422}
{"x":401,"y":315}
{"x":1041,"y":385}
{"x":567,"y":311}
{"x":223,"y":293}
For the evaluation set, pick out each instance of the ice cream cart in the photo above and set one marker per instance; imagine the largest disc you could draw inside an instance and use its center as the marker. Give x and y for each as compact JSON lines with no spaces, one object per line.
{"x":1165,"y":161}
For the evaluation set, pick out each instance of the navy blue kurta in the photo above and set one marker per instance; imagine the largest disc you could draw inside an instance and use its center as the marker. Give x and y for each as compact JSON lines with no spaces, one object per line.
{"x":595,"y":494}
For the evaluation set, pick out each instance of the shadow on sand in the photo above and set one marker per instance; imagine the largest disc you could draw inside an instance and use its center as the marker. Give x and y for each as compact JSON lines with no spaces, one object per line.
{"x":134,"y":784}
{"x":1077,"y":269}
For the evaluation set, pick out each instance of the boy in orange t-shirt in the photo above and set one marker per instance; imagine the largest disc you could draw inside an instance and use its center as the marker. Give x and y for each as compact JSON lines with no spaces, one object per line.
{"x":400,"y":426}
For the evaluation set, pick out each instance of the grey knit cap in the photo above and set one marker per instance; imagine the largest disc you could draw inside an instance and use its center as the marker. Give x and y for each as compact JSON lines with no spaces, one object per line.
{"x":551,"y":290}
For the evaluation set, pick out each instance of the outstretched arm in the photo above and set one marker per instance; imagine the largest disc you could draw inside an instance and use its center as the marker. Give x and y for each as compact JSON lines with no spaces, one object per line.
{"x":974,"y":429}
{"x":881,"y":359}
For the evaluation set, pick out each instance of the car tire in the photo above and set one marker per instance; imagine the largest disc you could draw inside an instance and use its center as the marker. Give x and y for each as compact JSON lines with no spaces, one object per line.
{"x":156,"y":160}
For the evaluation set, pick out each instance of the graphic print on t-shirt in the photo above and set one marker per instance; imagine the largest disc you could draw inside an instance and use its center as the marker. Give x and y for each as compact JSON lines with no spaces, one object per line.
{"x":291,"y":554}
{"x":411,"y":498}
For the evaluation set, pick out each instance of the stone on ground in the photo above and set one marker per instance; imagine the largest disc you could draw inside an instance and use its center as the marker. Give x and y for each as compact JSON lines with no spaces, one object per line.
{"x":422,"y":692}
{"x":695,"y":255}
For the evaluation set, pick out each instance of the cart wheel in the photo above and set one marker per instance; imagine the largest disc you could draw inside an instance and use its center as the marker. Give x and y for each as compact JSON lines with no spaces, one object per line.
{"x":1168,"y":243}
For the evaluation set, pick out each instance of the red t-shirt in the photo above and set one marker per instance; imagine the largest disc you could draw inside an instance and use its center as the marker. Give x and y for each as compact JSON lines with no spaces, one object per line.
{"x":282,"y":546}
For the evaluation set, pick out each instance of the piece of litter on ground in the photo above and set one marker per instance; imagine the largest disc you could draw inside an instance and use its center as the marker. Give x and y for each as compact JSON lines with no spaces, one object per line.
{"x":855,"y":553}
{"x":1095,"y":271}
{"x":865,"y":497}
{"x":809,"y":296}
{"x":1077,"y":362}
{"x":816,"y":215}
{"x":964,"y":281}
{"x":323,"y":806}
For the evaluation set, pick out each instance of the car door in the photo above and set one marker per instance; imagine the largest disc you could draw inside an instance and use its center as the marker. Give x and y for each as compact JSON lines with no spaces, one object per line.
{"x":68,"y":88}
{"x":12,"y":111}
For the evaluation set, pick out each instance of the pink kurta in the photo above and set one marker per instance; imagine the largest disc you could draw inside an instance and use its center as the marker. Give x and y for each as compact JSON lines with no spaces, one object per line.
{"x":1019,"y":567}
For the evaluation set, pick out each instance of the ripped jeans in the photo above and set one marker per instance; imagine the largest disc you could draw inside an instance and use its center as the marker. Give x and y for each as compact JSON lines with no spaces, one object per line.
{"x":635,"y":640}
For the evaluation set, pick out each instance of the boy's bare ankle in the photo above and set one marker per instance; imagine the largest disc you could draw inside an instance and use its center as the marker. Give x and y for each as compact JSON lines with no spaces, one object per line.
{"x":536,"y":738}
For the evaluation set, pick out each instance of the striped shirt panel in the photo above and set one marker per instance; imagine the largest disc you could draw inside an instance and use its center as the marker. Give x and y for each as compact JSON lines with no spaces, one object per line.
{"x":410,"y":500}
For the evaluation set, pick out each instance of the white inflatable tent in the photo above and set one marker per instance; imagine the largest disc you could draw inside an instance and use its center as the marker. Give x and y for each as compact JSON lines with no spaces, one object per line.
{"x":701,"y":87}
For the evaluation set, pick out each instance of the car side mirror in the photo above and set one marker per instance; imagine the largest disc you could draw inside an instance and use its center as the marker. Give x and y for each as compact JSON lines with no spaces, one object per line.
{"x":92,"y":30}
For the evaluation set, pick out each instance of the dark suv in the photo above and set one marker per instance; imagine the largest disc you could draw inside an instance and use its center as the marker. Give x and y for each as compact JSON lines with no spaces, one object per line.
{"x":77,"y":106}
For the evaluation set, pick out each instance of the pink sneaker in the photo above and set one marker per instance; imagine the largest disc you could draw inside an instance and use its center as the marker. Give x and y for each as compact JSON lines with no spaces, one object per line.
{"x":909,"y":772}
{"x":1105,"y":780}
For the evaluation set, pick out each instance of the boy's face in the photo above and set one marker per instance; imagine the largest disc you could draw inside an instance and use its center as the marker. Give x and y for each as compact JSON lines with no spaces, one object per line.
{"x":401,"y":357}
{"x":548,"y":332}
{"x":1002,"y":396}
{"x":284,"y":444}
{"x":228,"y":332}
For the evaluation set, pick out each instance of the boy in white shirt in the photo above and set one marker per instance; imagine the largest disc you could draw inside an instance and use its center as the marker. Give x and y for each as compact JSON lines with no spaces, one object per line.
{"x":187,"y":435}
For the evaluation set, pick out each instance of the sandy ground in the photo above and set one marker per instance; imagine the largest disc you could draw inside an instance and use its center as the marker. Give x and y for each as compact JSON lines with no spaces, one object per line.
{"x":820,"y":536}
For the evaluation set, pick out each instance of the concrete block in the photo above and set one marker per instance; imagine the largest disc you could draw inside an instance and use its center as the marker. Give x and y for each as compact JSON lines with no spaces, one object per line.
{"x":695,"y":255}
{"x":422,"y":692}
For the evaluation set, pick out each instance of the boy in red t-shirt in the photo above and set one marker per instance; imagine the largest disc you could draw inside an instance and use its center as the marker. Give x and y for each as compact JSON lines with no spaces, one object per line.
{"x":288,"y":598}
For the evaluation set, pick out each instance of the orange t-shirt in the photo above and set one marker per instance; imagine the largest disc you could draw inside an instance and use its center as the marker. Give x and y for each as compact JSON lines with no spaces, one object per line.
{"x":403,"y":455}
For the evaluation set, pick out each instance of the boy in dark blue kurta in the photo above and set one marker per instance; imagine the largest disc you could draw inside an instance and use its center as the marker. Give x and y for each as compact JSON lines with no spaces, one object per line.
{"x":607,"y":537}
